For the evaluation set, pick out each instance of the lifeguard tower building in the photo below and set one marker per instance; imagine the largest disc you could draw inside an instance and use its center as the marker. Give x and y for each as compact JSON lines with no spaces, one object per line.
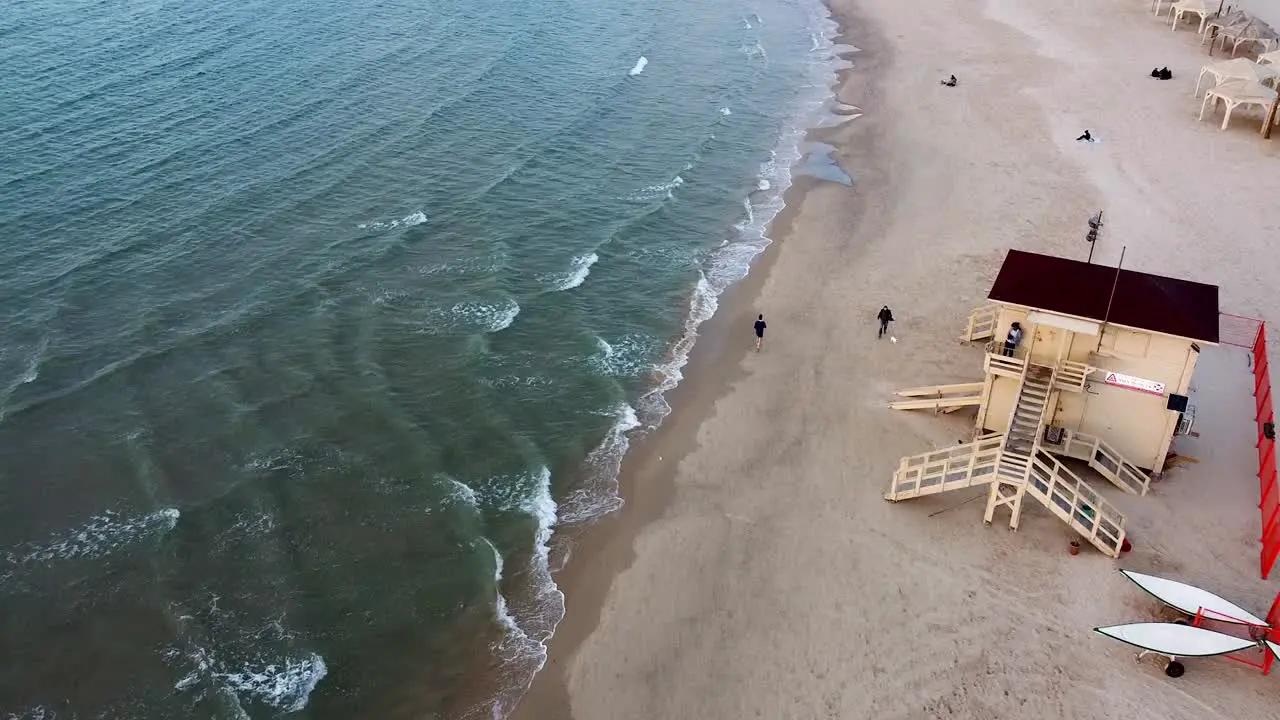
{"x":1101,"y":375}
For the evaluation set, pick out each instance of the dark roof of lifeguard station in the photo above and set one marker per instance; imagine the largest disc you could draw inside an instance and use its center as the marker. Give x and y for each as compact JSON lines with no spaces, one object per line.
{"x":1071,"y":287}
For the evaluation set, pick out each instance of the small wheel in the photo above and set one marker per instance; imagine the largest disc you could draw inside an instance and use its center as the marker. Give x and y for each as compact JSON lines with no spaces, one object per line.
{"x":1174,"y":669}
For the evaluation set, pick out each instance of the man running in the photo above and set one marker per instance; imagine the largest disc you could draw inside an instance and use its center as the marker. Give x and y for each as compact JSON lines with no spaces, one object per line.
{"x":885,"y":317}
{"x":760,"y":326}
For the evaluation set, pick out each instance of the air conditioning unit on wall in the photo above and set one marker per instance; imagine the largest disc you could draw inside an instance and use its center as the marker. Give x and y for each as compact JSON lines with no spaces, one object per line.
{"x":1186,"y":419}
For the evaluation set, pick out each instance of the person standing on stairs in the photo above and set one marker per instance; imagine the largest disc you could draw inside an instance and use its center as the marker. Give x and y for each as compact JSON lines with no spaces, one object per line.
{"x":1011,"y":341}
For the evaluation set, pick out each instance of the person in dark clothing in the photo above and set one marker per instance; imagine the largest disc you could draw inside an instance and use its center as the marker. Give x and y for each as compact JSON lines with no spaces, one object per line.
{"x":1162,"y":74}
{"x":1085,"y":137}
{"x":950,"y":82}
{"x":885,"y":316}
{"x":1012,"y":339}
{"x":760,"y":326}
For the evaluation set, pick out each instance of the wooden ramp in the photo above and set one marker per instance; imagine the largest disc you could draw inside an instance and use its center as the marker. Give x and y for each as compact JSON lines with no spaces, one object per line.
{"x":952,"y":468}
{"x":939,"y":398}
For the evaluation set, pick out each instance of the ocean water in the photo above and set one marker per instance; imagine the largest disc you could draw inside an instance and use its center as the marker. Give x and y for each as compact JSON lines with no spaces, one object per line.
{"x":318,"y":320}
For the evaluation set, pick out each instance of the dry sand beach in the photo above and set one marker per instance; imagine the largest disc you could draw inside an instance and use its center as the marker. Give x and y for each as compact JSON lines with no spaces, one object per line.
{"x":756,"y":571}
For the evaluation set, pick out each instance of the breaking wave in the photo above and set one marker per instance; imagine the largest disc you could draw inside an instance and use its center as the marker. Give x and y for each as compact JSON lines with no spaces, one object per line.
{"x":415,"y":218}
{"x":100,"y":536}
{"x":577,"y":273}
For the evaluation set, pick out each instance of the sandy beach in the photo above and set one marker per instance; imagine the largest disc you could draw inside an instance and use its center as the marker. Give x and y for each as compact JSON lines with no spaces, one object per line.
{"x":756,"y":570}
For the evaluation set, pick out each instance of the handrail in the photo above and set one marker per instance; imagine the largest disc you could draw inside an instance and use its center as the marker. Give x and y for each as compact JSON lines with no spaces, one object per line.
{"x":1012,"y":366}
{"x":1083,"y":500}
{"x":1073,"y":375}
{"x":956,"y":466}
{"x":982,"y":323}
{"x":1105,"y":459}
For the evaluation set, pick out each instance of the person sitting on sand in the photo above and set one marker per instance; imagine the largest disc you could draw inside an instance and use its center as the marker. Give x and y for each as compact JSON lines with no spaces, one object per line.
{"x":950,"y":82}
{"x":1162,"y":74}
{"x":759,"y":327}
{"x":1085,"y":137}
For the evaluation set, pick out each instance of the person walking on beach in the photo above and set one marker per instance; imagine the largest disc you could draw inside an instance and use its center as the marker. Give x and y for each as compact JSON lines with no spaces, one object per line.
{"x":885,"y":316}
{"x":1011,"y":341}
{"x":760,"y":326}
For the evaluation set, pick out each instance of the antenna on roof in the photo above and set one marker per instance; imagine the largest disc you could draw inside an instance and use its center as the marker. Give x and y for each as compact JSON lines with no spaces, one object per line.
{"x":1102,"y":329}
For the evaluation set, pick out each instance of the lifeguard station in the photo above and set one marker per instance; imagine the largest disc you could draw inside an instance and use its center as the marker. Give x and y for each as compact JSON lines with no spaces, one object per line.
{"x":1101,"y":375}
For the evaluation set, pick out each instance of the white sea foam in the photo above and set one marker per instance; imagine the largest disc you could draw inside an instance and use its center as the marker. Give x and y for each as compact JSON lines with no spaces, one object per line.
{"x":100,"y":536}
{"x":579,"y":269}
{"x":755,"y":51}
{"x":513,"y":381}
{"x":627,"y":356}
{"x":247,"y":525}
{"x":665,"y":191}
{"x":639,"y":66}
{"x":599,"y":494}
{"x":488,"y":316}
{"x":702,"y":305}
{"x":725,"y":111}
{"x":285,"y":684}
{"x":530,"y":617}
{"x":461,"y":492}
{"x":415,"y":218}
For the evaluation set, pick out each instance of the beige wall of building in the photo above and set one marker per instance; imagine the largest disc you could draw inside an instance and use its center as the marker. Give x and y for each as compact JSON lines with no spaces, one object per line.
{"x":1137,"y":424}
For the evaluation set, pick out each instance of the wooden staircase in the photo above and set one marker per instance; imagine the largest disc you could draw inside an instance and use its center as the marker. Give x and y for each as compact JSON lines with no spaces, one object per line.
{"x":1076,"y":503}
{"x":1015,"y":464}
{"x":1028,"y":412}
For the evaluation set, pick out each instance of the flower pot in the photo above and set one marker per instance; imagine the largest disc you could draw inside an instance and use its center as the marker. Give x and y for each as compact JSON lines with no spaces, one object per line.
{"x":1075,"y":548}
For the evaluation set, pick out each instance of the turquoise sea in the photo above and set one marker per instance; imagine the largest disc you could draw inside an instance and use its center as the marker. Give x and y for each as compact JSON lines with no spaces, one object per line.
{"x":319,"y":319}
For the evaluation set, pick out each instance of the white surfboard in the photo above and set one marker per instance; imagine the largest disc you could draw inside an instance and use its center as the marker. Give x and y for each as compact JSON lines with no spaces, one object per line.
{"x":1190,"y":599}
{"x":1176,"y":640}
{"x":1273,"y":647}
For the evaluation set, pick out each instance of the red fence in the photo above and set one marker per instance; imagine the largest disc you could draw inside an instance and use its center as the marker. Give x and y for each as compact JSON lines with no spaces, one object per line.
{"x":1266,"y":445}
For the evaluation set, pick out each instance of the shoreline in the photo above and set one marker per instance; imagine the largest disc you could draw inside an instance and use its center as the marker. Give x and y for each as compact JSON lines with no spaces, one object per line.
{"x":757,"y":569}
{"x":602,"y":548}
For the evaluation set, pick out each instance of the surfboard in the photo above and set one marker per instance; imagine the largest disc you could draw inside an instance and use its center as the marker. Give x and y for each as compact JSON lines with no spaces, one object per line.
{"x":1176,"y":640}
{"x":1191,"y":600}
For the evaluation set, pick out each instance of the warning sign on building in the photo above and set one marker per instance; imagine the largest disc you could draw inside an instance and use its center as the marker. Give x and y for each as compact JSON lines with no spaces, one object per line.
{"x":1134,"y":383}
